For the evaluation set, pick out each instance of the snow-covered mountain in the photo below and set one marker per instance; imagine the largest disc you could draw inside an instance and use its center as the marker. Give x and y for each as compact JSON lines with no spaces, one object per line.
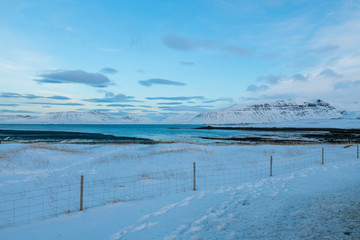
{"x":279,"y":111}
{"x":91,"y":117}
{"x":14,"y":118}
{"x":76,"y":117}
{"x":94,"y":117}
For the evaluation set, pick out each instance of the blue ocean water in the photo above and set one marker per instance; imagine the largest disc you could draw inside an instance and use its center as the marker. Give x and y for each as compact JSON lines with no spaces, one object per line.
{"x":171,"y":133}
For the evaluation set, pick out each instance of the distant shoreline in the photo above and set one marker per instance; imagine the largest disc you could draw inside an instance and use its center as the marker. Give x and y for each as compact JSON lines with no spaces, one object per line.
{"x":281,"y":129}
{"x":303,"y":135}
{"x":34,"y":136}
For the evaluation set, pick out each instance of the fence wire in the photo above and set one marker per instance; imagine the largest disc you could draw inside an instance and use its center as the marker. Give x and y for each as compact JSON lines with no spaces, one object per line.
{"x":31,"y":205}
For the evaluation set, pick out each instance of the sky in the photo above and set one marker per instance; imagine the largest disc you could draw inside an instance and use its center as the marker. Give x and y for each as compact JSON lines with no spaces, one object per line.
{"x":159,"y":58}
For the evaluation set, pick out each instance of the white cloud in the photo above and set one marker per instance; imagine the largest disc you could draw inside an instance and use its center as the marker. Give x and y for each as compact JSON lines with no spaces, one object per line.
{"x":334,"y":73}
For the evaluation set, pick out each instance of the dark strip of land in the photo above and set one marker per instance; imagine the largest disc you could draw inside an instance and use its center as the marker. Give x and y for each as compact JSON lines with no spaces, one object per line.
{"x":63,"y":136}
{"x":301,"y":135}
{"x":282,"y":129}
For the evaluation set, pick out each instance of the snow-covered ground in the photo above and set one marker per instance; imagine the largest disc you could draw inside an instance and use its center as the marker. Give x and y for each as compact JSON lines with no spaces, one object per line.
{"x":235,"y":197}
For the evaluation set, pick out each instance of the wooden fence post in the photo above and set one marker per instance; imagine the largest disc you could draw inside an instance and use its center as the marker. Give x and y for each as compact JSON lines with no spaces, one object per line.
{"x":194,"y":167}
{"x":357,"y":154}
{"x":322,"y":158}
{"x":271,"y":163}
{"x":81,"y":193}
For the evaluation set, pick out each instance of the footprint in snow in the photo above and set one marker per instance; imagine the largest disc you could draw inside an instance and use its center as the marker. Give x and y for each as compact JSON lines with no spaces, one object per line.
{"x":168,"y":207}
{"x":145,"y":225}
{"x":120,"y":234}
{"x":178,"y":231}
{"x":165,"y":209}
{"x":144,"y":218}
{"x":201,"y":220}
{"x":221,"y":227}
{"x":184,"y":204}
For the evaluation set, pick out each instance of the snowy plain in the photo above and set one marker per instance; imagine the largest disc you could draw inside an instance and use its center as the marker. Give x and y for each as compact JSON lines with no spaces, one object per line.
{"x":235,"y":197}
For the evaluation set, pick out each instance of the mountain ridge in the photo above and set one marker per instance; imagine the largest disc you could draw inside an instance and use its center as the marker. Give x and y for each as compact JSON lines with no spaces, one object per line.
{"x":278,"y":111}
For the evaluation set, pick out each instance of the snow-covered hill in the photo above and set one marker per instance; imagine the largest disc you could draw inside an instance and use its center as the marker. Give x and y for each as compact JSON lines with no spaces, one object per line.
{"x":91,"y":117}
{"x":71,"y":117}
{"x":94,"y":117}
{"x":14,"y":118}
{"x":279,"y":111}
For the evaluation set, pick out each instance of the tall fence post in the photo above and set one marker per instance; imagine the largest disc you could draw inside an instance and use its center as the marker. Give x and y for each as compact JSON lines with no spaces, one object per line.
{"x":81,"y":193}
{"x":194,"y":167}
{"x":322,"y":158}
{"x":357,"y":154}
{"x":271,"y":160}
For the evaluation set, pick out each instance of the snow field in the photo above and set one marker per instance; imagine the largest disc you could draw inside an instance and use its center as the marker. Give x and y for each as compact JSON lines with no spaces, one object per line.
{"x":224,"y":173}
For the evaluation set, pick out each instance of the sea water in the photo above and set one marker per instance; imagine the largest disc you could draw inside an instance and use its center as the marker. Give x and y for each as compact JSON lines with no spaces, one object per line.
{"x":157,"y":132}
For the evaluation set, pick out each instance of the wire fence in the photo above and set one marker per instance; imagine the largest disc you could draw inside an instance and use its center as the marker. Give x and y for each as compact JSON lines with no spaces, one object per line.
{"x":38,"y":203}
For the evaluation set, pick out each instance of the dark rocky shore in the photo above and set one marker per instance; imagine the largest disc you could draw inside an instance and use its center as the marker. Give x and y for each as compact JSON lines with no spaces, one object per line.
{"x":65,"y":137}
{"x":289,"y":135}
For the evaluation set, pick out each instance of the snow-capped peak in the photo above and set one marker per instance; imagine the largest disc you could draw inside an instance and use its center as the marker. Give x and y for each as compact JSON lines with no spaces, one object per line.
{"x":278,"y":111}
{"x":70,"y":117}
{"x":91,"y":117}
{"x":16,"y":117}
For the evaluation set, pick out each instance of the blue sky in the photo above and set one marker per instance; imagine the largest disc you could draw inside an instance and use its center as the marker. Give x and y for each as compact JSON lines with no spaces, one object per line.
{"x":156,"y":58}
